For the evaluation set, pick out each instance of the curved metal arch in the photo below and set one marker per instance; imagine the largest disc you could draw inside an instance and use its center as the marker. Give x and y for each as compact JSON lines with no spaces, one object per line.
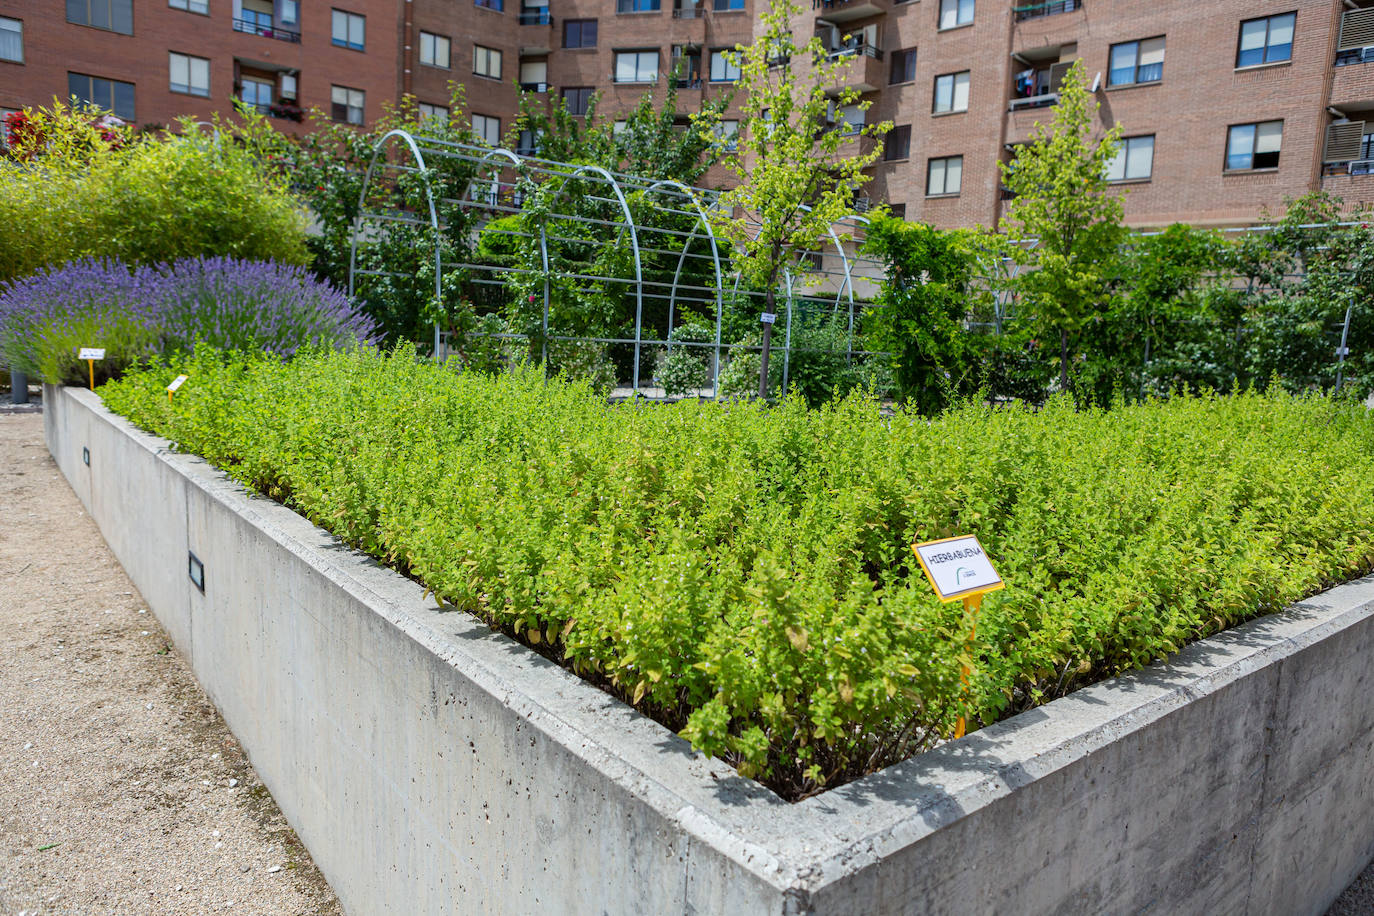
{"x":377,"y":150}
{"x":514,"y":159}
{"x":634,"y":243}
{"x":703,"y":220}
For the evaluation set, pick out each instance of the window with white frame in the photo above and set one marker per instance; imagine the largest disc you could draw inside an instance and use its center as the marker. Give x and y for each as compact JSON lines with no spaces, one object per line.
{"x":1266,"y":41}
{"x":955,"y":13}
{"x":434,"y":50}
{"x":190,"y":6}
{"x":727,"y":134}
{"x":289,"y":12}
{"x":486,"y":62}
{"x":1254,"y":146}
{"x":534,"y":75}
{"x":944,"y":176}
{"x":487,"y":129}
{"x":1134,"y":160}
{"x":951,"y":92}
{"x":636,"y":66}
{"x":724,"y":66}
{"x":349,"y":30}
{"x":847,"y":119}
{"x":256,"y":93}
{"x":190,"y":75}
{"x":1136,"y":62}
{"x":346,"y":104}
{"x":436,"y":113}
{"x":11,"y":40}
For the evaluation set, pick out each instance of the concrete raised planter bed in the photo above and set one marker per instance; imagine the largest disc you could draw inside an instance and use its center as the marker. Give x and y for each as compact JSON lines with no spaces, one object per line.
{"x":432,"y":766}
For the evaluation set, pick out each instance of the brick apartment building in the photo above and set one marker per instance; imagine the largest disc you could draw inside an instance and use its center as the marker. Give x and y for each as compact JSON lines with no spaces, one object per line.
{"x":1227,"y":107}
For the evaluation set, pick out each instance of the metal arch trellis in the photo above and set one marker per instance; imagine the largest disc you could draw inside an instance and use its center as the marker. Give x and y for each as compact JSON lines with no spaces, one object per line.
{"x":695,"y":266}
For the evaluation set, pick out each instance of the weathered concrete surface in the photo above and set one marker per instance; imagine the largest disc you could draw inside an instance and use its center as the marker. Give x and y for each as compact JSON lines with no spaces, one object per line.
{"x":432,"y":766}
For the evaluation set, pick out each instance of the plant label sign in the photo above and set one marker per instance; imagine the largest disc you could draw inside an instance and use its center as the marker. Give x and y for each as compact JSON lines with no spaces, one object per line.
{"x":768,"y":317}
{"x":177,"y":383}
{"x":957,"y":567}
{"x":91,"y":353}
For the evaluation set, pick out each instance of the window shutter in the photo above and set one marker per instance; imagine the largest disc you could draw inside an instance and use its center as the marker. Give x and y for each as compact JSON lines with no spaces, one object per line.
{"x":1343,"y":141}
{"x":1357,"y":29}
{"x":1057,"y":72}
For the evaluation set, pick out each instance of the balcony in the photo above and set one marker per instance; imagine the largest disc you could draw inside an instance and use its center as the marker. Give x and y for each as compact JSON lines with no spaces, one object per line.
{"x":534,"y":87}
{"x":536,"y":17}
{"x":253,"y":27}
{"x":1041,"y":10}
{"x":689,"y":12}
{"x":846,"y":10}
{"x":861,"y":67}
{"x":1037,"y":86}
{"x":1356,"y":43}
{"x":1352,"y":56}
{"x":1356,"y":167}
{"x":687,"y":82}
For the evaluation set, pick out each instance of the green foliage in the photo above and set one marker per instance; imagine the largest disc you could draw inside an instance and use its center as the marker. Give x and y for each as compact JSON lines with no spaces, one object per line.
{"x":920,"y":314}
{"x":818,"y":367}
{"x":744,"y":574}
{"x":1065,"y":222}
{"x":83,"y":189}
{"x":682,"y":370}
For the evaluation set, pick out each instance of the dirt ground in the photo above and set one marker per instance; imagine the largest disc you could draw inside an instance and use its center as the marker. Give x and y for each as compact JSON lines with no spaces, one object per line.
{"x":121,"y":789}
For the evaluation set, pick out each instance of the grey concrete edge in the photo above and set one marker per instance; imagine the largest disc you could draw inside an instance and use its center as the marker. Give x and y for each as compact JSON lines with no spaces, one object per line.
{"x":799,"y":847}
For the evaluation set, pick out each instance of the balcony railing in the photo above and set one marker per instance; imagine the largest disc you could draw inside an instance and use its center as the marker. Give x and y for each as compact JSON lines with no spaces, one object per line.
{"x":859,"y":50}
{"x":536,"y":17}
{"x":1044,"y":100}
{"x":535,"y":87}
{"x":643,"y":79}
{"x":253,"y":28}
{"x":1354,"y":168}
{"x":1052,"y":8}
{"x":694,"y":12}
{"x":687,"y":82}
{"x":1354,"y":56}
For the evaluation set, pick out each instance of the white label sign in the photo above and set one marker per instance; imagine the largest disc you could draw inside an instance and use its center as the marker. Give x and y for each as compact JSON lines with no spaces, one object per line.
{"x":768,"y":318}
{"x":91,"y":353}
{"x":177,"y":383}
{"x":958,"y":567}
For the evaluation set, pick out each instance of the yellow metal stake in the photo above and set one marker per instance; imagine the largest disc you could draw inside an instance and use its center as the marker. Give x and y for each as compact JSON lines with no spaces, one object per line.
{"x":91,"y":363}
{"x":972,"y":604}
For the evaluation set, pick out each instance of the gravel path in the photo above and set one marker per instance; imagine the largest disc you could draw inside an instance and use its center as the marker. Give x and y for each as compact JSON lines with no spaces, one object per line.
{"x":121,"y":789}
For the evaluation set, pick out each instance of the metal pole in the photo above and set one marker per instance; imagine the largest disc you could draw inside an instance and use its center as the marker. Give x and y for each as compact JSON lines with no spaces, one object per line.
{"x":1343,"y":349}
{"x":787,"y":339}
{"x":19,"y":387}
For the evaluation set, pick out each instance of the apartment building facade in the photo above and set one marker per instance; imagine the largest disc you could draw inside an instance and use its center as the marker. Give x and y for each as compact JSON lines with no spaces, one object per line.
{"x":1227,"y":108}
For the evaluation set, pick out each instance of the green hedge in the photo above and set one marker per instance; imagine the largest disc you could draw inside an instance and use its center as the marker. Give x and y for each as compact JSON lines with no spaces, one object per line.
{"x":744,"y":574}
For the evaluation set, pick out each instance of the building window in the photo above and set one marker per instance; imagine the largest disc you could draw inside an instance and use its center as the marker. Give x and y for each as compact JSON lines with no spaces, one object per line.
{"x":349,"y":30}
{"x":955,"y":13}
{"x":579,"y":33}
{"x":255,"y":16}
{"x":11,"y":40}
{"x":951,"y":92}
{"x":944,"y":176}
{"x":1367,"y":146}
{"x":637,"y":6}
{"x":1136,"y":62}
{"x":5,"y":126}
{"x":724,"y":6}
{"x":897,"y":143}
{"x":112,"y":15}
{"x":897,"y":210}
{"x":534,"y":75}
{"x":1134,"y":160}
{"x":111,"y":95}
{"x":727,"y":135}
{"x":498,"y":5}
{"x":636,"y":66}
{"x":487,"y":129}
{"x":527,"y":144}
{"x":1266,"y":41}
{"x":190,"y":6}
{"x":290,"y":12}
{"x":346,"y":104}
{"x":433,"y":113}
{"x":190,"y":75}
{"x":256,"y":93}
{"x":434,"y":50}
{"x":724,"y":66}
{"x":903,"y":66}
{"x":577,"y":99}
{"x":486,"y":62}
{"x":1254,"y":146}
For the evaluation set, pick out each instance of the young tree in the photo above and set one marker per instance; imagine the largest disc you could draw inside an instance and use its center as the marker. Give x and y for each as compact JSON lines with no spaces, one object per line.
{"x":797,"y":176}
{"x":1065,"y":220}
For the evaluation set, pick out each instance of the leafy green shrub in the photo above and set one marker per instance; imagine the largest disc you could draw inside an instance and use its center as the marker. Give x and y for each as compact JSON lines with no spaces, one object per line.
{"x":682,"y":370}
{"x":86,"y":190}
{"x":744,"y":573}
{"x":818,"y":367}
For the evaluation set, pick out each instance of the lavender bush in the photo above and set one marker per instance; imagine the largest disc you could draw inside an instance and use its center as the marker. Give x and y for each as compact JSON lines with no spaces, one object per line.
{"x":141,"y":312}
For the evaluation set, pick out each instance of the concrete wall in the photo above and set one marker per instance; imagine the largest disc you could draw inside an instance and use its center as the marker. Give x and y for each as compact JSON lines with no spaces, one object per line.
{"x":432,"y":766}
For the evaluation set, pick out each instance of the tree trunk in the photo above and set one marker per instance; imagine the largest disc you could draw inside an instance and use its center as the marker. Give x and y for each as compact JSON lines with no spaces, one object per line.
{"x":770,"y":298}
{"x":1063,"y":359}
